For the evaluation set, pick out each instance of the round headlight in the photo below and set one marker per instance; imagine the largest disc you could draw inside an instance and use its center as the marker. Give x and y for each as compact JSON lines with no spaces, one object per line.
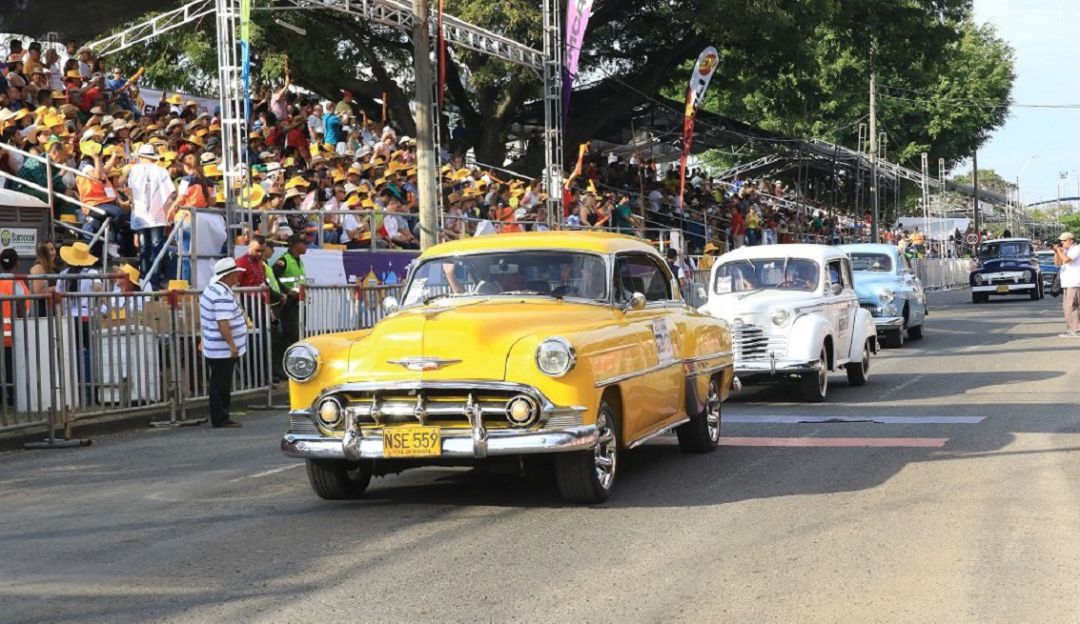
{"x":781,"y":317}
{"x":521,"y":411}
{"x":886,"y":295}
{"x":301,"y":361}
{"x":555,"y":357}
{"x":979,"y":278}
{"x":330,"y":412}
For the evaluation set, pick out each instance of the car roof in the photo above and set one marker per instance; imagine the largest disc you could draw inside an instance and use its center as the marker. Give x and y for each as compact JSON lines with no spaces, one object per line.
{"x":596,"y":242}
{"x":883,"y":248}
{"x":821,"y":253}
{"x":1006,"y":240}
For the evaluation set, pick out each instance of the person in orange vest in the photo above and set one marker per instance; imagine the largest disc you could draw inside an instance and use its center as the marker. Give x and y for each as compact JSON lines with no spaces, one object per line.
{"x":11,"y":286}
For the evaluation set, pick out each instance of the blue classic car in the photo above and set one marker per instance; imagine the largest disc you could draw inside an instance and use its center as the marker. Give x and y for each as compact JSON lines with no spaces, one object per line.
{"x":1006,"y":266}
{"x":888,"y":288}
{"x":1051,"y":283}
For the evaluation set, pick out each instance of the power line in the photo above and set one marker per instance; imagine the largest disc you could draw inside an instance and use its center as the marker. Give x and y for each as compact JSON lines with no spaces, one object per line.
{"x":973,"y":102}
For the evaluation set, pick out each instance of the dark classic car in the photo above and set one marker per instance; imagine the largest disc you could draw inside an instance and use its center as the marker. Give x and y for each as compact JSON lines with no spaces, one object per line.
{"x":1050,"y":280}
{"x":1006,"y":266}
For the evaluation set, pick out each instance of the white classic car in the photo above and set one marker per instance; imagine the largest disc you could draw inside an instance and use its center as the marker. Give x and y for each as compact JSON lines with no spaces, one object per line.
{"x":794,"y":315}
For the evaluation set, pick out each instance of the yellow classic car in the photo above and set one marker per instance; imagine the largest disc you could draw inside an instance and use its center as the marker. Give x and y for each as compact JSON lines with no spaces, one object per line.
{"x":572,"y":344}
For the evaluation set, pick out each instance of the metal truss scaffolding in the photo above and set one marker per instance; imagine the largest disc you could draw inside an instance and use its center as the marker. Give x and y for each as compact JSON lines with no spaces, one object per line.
{"x":396,"y":14}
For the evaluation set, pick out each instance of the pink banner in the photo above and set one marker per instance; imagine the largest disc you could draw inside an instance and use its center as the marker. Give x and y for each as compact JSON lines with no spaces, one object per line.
{"x":578,"y":13}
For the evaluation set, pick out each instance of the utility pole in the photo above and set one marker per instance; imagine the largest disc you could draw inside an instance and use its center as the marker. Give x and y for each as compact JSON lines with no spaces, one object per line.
{"x":425,"y":136}
{"x":975,"y":183}
{"x":874,"y":238}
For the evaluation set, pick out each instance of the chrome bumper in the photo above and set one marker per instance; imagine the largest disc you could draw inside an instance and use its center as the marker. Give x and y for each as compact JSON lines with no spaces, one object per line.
{"x":1012,"y":288}
{"x":455,"y":443}
{"x":888,"y":323}
{"x":775,"y":367}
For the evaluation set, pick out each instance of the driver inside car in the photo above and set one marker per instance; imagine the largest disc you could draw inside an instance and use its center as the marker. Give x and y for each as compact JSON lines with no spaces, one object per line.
{"x":800,"y":276}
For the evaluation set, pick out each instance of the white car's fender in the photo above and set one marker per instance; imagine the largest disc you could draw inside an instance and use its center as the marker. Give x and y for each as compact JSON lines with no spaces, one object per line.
{"x":864,"y":329}
{"x":807,"y":336}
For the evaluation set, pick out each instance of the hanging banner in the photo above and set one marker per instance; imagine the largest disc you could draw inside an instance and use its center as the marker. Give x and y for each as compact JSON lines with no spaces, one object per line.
{"x":578,"y":13}
{"x":245,"y":52}
{"x":699,"y":81}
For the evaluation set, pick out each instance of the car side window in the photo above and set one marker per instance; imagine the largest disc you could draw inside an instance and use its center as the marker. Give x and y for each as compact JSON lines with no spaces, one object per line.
{"x":849,"y":279}
{"x":836,"y":272}
{"x":640,"y":273}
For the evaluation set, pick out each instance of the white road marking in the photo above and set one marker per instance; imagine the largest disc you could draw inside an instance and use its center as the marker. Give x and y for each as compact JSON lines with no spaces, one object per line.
{"x":884,"y":420}
{"x":267,"y":473}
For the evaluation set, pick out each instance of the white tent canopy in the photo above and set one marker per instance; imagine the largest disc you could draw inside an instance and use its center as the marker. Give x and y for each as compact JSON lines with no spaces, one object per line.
{"x":935,"y":229}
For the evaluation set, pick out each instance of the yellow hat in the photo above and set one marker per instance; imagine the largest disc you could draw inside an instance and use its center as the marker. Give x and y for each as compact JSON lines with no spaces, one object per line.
{"x":296,"y":181}
{"x":514,"y":202}
{"x":77,"y":254}
{"x":252,"y":196}
{"x":461,"y":174}
{"x":212,"y":171}
{"x":90,"y":148}
{"x":132,"y":273}
{"x":353,"y":200}
{"x":174,"y":99}
{"x":178,"y":285}
{"x":19,"y":114}
{"x":53,"y":120}
{"x":337,"y":176}
{"x":367,"y":203}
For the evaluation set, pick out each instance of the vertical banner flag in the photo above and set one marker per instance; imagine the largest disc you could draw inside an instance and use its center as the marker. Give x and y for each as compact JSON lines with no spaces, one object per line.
{"x":699,"y":81}
{"x":578,"y":13}
{"x":245,"y":75}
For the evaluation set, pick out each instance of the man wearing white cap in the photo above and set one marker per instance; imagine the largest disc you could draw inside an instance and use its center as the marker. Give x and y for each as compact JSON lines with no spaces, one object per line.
{"x":224,"y":337}
{"x":1067,"y":256}
{"x":152,"y":190}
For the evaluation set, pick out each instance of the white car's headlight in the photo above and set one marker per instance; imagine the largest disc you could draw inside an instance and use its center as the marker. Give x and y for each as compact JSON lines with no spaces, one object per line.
{"x":301,"y":361}
{"x":886,"y":295}
{"x":781,"y":317}
{"x":555,"y":357}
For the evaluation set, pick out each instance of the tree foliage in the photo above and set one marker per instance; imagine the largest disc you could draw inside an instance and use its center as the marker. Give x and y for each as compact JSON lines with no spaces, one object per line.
{"x":798,"y":68}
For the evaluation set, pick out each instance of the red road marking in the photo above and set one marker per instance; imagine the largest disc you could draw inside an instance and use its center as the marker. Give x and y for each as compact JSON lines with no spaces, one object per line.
{"x":838,"y":442}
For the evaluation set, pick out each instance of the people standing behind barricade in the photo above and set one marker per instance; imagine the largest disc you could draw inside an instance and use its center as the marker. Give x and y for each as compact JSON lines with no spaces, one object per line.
{"x":11,"y":286}
{"x":80,"y":262}
{"x":122,"y":307}
{"x":193,"y":191}
{"x":46,"y":265}
{"x":224,"y":338}
{"x":151,"y":191}
{"x":289,"y":270}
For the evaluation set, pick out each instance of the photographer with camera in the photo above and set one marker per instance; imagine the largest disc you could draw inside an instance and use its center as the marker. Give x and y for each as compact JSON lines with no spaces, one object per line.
{"x":1067,"y":256}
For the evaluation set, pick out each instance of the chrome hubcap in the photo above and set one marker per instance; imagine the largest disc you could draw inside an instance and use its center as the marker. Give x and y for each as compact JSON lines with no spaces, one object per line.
{"x":712,"y":413}
{"x":604,"y":454}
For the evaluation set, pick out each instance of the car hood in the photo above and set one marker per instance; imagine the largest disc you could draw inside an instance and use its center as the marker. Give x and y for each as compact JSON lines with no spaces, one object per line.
{"x":471,"y":337}
{"x":869,"y":283}
{"x":757,"y":307}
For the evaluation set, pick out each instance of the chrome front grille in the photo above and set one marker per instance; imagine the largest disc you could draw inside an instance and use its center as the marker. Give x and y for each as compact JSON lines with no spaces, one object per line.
{"x":440,"y":407}
{"x":750,"y":343}
{"x":302,"y":424}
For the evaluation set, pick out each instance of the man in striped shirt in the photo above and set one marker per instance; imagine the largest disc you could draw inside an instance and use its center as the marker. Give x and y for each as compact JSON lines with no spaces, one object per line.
{"x":224,"y":337}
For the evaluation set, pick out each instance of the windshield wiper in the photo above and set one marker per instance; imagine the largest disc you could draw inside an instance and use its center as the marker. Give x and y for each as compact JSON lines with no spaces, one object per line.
{"x":431,"y":298}
{"x":752,"y":291}
{"x":531,"y":292}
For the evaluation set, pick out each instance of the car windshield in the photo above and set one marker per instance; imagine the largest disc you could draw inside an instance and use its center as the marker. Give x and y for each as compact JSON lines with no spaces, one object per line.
{"x":510,"y":272}
{"x":759,"y":274}
{"x":1045,"y":257}
{"x":1005,"y":249}
{"x":881,"y":263}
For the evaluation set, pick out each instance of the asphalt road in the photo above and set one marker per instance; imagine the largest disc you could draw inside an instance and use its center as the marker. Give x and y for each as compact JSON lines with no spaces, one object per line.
{"x":964,"y":509}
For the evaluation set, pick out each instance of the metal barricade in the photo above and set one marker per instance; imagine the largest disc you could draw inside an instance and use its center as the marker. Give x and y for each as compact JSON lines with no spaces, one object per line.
{"x":329,"y":309}
{"x":101,"y":349}
{"x":938,"y":274}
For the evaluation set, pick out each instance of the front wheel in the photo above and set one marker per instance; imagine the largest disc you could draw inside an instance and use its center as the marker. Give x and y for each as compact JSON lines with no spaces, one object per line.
{"x":859,"y":372}
{"x":338,"y":480}
{"x":589,"y":476}
{"x":1036,"y":294}
{"x":702,"y":433}
{"x":813,"y":386}
{"x":915,"y":333}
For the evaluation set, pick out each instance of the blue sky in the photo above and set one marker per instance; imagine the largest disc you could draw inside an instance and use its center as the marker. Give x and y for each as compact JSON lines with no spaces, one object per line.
{"x":1044,"y":37}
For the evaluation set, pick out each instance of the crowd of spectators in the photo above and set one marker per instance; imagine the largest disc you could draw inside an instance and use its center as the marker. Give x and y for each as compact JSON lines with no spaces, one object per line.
{"x":331,"y":172}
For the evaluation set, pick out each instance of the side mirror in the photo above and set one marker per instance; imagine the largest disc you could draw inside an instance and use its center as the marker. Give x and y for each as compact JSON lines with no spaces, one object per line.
{"x":837,"y":289}
{"x":390,"y":305}
{"x":636,"y":302}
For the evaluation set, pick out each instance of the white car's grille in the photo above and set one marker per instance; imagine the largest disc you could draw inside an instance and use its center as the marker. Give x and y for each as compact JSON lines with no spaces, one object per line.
{"x":750,"y":343}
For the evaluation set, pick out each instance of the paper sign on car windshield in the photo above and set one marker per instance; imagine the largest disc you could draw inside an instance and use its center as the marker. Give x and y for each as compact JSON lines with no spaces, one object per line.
{"x":723,"y":284}
{"x":665,"y":348}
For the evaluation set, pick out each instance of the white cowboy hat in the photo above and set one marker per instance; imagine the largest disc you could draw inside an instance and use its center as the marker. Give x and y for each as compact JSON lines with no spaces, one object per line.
{"x":223,"y":267}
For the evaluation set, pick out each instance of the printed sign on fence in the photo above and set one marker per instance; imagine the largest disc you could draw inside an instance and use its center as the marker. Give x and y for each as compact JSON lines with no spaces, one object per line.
{"x":22,"y":240}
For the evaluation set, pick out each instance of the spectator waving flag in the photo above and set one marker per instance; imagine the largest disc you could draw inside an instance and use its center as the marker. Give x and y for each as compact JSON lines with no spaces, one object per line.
{"x":699,"y":81}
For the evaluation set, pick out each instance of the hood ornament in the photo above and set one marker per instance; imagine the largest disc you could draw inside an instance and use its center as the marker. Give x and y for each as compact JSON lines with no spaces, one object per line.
{"x":423,"y":364}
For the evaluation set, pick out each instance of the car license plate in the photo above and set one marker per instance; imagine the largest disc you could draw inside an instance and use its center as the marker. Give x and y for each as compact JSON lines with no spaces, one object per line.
{"x":411,"y":441}
{"x":1003,"y":288}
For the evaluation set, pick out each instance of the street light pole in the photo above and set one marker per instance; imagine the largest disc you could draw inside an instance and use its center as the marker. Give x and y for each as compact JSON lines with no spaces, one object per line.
{"x":425,"y":135}
{"x":873,"y":151}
